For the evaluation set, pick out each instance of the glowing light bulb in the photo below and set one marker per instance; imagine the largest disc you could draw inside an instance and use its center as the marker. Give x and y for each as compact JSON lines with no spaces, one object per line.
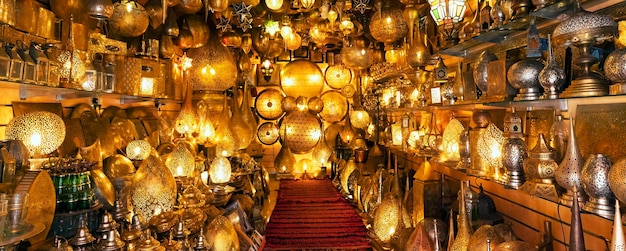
{"x":129,"y":6}
{"x":35,"y":139}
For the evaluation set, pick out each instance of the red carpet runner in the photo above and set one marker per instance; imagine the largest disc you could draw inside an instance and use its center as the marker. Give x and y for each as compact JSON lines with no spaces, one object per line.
{"x":311,"y":214}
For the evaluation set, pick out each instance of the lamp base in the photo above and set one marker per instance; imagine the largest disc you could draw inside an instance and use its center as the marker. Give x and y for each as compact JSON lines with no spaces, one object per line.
{"x":543,"y":190}
{"x":568,"y":198}
{"x":603,"y":207}
{"x":513,"y":179}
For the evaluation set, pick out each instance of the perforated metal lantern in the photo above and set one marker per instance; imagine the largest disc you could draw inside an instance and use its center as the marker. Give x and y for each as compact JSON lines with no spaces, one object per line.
{"x":154,"y":189}
{"x":214,"y":67}
{"x":268,"y":133}
{"x":129,"y":19}
{"x":302,"y":78}
{"x":221,"y":234}
{"x":181,"y":161}
{"x":335,"y":106}
{"x":301,"y":131}
{"x":41,"y":132}
{"x":337,"y":76}
{"x":451,"y":140}
{"x":138,"y":149}
{"x":220,"y":171}
{"x":490,"y":149}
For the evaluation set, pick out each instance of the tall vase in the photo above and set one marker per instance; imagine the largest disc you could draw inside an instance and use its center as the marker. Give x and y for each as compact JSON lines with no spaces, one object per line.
{"x":417,"y":54}
{"x":576,"y":237}
{"x":246,"y":113}
{"x":552,"y":76}
{"x":617,"y":241}
{"x":569,"y":171}
{"x":464,"y":232}
{"x":241,"y":128}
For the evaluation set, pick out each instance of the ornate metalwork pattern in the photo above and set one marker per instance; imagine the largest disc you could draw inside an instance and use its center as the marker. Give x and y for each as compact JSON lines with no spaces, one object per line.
{"x":597,"y":128}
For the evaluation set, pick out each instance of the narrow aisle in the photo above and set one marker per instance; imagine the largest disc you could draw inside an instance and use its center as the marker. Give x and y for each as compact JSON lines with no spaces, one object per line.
{"x":312,"y":215}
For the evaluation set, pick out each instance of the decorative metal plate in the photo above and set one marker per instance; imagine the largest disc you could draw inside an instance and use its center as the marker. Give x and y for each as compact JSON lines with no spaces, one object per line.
{"x":268,"y":133}
{"x":599,"y":129}
{"x":267,"y":104}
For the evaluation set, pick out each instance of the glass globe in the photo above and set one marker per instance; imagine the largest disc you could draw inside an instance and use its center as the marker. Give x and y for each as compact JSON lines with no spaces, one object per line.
{"x":180,"y":162}
{"x":220,"y":170}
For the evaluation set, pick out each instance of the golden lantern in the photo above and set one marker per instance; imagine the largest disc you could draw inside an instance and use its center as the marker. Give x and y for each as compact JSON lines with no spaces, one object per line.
{"x":307,"y":167}
{"x":138,"y":150}
{"x":226,"y":138}
{"x":246,"y":113}
{"x":181,"y":161}
{"x":345,"y":175}
{"x":285,"y":161}
{"x":489,"y":148}
{"x":360,"y":118}
{"x":129,"y":19}
{"x":187,"y":120}
{"x":302,"y":78}
{"x":72,"y":66}
{"x":388,"y":219}
{"x":241,"y":128}
{"x":221,"y":234}
{"x":337,"y":76}
{"x":220,"y":170}
{"x":274,"y":5}
{"x":268,"y":104}
{"x":154,"y":189}
{"x":301,"y":131}
{"x":315,"y":105}
{"x":388,"y":25}
{"x":214,"y":67}
{"x":41,"y":132}
{"x":293,"y":41}
{"x":289,"y":104}
{"x":348,"y":133}
{"x":322,"y":152}
{"x":450,"y":142}
{"x":335,"y":106}
{"x":206,"y":129}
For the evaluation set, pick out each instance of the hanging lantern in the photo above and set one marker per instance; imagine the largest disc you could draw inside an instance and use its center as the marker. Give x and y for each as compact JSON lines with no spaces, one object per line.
{"x":490,"y":149}
{"x":225,"y":135}
{"x":241,"y":128}
{"x":246,"y":112}
{"x":41,"y":132}
{"x":301,"y":131}
{"x":322,"y":152}
{"x":268,"y":104}
{"x":138,"y":150}
{"x":181,"y":161}
{"x":360,"y":118}
{"x":187,"y":120}
{"x":388,"y":25}
{"x":220,"y":170}
{"x":213,"y":67}
{"x":337,"y":76}
{"x":293,"y":42}
{"x":285,"y":161}
{"x":274,"y":5}
{"x":129,"y":19}
{"x":388,"y":219}
{"x":154,"y":189}
{"x":302,"y":78}
{"x":335,"y":106}
{"x":315,"y":105}
{"x":268,"y":133}
{"x":348,"y":133}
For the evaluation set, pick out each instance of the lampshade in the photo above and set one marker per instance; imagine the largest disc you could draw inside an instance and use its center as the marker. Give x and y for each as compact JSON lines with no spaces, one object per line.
{"x":337,"y":76}
{"x":347,"y":134}
{"x":138,"y":150}
{"x":214,"y":67}
{"x":301,"y":131}
{"x":268,"y":104}
{"x":322,"y":152}
{"x":388,"y":25}
{"x":447,"y":11}
{"x":388,"y":219}
{"x":307,"y":166}
{"x":360,"y":118}
{"x":451,"y":136}
{"x":181,"y":161}
{"x":129,"y":19}
{"x":221,"y":234}
{"x":302,"y":78}
{"x":335,"y":106}
{"x":220,"y":170}
{"x":490,"y":148}
{"x":154,"y":189}
{"x":285,"y":161}
{"x":41,"y":132}
{"x":241,"y":128}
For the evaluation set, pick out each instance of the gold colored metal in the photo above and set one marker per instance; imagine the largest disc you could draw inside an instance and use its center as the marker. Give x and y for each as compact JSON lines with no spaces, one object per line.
{"x":485,"y":238}
{"x":129,"y":19}
{"x":41,"y":200}
{"x":301,"y":130}
{"x":26,"y":13}
{"x":302,"y":78}
{"x":336,"y":106}
{"x":464,"y":233}
{"x":117,"y":166}
{"x":7,"y":12}
{"x":496,"y":80}
{"x":154,"y":189}
{"x":222,"y":234}
{"x":214,"y":67}
{"x":596,"y":129}
{"x":46,"y":23}
{"x":41,"y":132}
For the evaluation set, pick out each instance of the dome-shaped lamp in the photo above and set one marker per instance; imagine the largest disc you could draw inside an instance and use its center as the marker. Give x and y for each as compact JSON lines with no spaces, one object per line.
{"x":302,"y":78}
{"x":360,"y":118}
{"x":41,"y":132}
{"x":180,"y":162}
{"x":301,"y":130}
{"x":154,"y":189}
{"x":213,"y":67}
{"x":220,"y":170}
{"x":138,"y":150}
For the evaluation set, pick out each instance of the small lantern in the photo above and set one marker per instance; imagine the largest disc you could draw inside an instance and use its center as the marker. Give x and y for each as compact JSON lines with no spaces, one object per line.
{"x":30,"y":68}
{"x":220,"y":170}
{"x":109,"y":71}
{"x":16,"y":70}
{"x":90,"y":79}
{"x":41,"y":132}
{"x":180,"y":162}
{"x":138,"y":150}
{"x":5,"y":63}
{"x":42,"y":63}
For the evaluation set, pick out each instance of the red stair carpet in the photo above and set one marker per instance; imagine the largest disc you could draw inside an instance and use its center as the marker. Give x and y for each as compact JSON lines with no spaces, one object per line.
{"x":312,"y":215}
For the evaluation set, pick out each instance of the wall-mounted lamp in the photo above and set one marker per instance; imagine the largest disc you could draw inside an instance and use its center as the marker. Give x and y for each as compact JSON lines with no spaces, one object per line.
{"x":267,"y":68}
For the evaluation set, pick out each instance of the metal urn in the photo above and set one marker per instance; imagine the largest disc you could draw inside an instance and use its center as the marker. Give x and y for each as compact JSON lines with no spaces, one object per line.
{"x":584,"y":29}
{"x":523,"y":75}
{"x":595,"y":183}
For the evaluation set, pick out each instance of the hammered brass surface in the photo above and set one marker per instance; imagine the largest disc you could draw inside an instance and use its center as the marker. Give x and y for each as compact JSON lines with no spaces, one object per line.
{"x":599,"y":129}
{"x":41,"y":201}
{"x":537,"y":122}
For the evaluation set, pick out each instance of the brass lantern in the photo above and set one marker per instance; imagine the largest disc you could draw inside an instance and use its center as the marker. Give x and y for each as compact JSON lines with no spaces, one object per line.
{"x":129,"y":18}
{"x":220,"y":171}
{"x":138,"y":150}
{"x":451,"y":141}
{"x":448,"y":14}
{"x":388,"y":25}
{"x":41,"y":132}
{"x":181,"y":161}
{"x":154,"y":189}
{"x":302,"y":78}
{"x":214,"y":67}
{"x":301,"y":130}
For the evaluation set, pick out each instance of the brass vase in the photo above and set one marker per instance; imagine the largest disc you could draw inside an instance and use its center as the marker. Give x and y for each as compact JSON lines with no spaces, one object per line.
{"x":464,"y":232}
{"x":595,"y":183}
{"x":552,"y":76}
{"x":569,"y":171}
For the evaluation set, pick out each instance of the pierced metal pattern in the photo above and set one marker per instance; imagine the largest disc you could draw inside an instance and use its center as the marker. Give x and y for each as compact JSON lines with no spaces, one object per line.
{"x":41,"y":132}
{"x":568,"y":173}
{"x":595,"y":182}
{"x":268,"y":133}
{"x":337,"y":76}
{"x":617,"y":179}
{"x":154,"y":189}
{"x":301,"y":131}
{"x":335,"y":106}
{"x":268,"y":104}
{"x":451,"y":136}
{"x":597,"y":127}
